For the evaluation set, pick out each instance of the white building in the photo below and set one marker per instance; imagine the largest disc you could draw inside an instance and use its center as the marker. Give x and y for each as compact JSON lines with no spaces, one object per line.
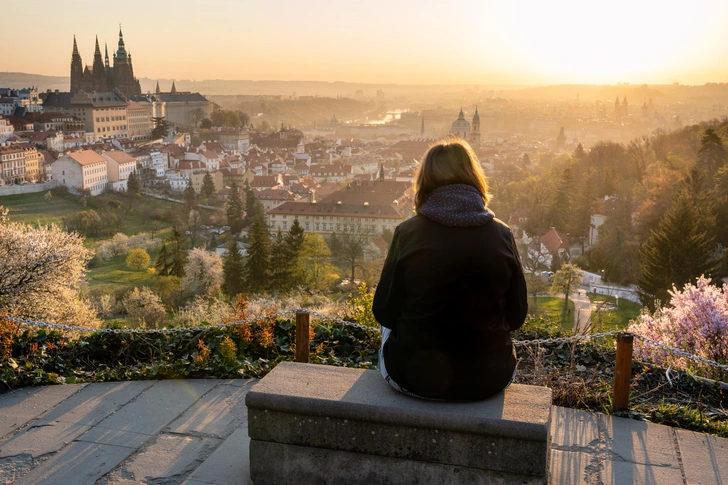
{"x":6,"y":130}
{"x":159,"y":164}
{"x":178,"y":181}
{"x":82,"y":170}
{"x":119,"y":165}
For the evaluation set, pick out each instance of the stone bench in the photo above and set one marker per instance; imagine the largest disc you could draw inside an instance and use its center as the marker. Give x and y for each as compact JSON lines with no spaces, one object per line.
{"x":315,"y":424}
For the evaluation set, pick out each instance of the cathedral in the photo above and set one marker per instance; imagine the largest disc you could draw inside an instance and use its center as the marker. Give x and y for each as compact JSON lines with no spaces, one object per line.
{"x":101,"y":76}
{"x":462,"y":129}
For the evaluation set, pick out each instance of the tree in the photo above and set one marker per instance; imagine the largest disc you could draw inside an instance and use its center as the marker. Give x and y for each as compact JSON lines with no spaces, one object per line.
{"x":234,"y":209}
{"x":257,"y":275}
{"x":40,"y":269}
{"x":565,"y":280}
{"x":617,"y":248}
{"x":189,"y":197}
{"x":281,"y":264}
{"x":85,"y":222}
{"x":208,"y":186}
{"x":712,"y":154}
{"x":233,"y":270}
{"x":243,"y":117}
{"x":138,"y":259}
{"x":206,"y":124}
{"x":676,"y":253}
{"x":387,"y":235}
{"x":161,"y":127}
{"x":144,"y":307}
{"x":253,"y":207}
{"x":132,"y":184}
{"x":583,"y":210}
{"x":351,"y":247}
{"x":191,"y":222}
{"x":203,"y":273}
{"x":560,"y":210}
{"x":535,"y":259}
{"x":314,"y":262}
{"x":177,"y":253}
{"x":162,"y":264}
{"x":197,"y":115}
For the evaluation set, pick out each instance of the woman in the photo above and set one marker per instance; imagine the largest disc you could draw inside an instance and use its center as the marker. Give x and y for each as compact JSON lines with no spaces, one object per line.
{"x":452,"y":287}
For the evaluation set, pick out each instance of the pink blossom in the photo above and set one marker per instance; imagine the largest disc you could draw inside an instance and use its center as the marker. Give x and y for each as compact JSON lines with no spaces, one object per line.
{"x":695,"y":320}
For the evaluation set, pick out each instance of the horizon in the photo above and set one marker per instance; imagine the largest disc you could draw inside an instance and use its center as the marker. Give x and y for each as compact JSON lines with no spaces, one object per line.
{"x":562,"y":43}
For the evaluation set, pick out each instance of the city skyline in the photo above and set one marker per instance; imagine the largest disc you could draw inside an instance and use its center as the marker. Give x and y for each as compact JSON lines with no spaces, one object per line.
{"x":397,"y":42}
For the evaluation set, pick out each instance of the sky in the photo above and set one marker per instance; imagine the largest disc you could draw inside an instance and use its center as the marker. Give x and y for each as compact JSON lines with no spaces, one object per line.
{"x":478,"y":42}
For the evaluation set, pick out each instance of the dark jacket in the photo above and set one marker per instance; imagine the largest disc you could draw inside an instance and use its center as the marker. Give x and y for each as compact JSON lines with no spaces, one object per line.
{"x":451,"y":296}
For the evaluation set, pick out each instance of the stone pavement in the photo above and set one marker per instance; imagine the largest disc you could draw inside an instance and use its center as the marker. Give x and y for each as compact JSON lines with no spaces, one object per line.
{"x":195,"y":432}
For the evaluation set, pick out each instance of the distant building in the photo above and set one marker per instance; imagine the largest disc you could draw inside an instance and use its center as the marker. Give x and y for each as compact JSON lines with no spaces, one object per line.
{"x":6,"y":129}
{"x":139,"y":120}
{"x":12,"y":164}
{"x":463,"y":129}
{"x":103,"y":113}
{"x":102,"y":76}
{"x":119,"y":165}
{"x":182,"y":108}
{"x":84,"y":170}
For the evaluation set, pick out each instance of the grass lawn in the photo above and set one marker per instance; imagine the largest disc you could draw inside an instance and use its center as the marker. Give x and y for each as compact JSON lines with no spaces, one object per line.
{"x":115,"y":277}
{"x":617,"y":319}
{"x":34,"y":209}
{"x":552,"y":306}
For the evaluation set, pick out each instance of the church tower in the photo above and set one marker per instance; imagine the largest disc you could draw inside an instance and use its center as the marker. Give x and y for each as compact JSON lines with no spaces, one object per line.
{"x":98,"y":70}
{"x":422,"y":129}
{"x":124,"y":79}
{"x":76,"y":68}
{"x":475,"y":134}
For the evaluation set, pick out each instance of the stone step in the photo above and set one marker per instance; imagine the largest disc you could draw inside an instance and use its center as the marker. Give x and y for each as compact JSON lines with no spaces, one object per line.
{"x":310,"y":408}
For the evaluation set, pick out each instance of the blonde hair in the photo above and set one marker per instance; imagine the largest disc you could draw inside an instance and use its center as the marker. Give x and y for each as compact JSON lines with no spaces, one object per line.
{"x":450,"y":161}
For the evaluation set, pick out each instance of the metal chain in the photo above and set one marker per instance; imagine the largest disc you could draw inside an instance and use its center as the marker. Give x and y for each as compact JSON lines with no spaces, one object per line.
{"x":75,"y":328}
{"x":682,"y":353}
{"x":573,"y":338}
{"x":333,"y":319}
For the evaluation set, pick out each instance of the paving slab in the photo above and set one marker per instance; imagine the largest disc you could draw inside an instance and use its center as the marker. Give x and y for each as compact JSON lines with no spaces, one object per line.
{"x":628,"y":473}
{"x":704,"y":457}
{"x":217,"y":413}
{"x":23,"y":405}
{"x":229,"y":464}
{"x":169,"y":459}
{"x":41,"y":438}
{"x":574,"y":430}
{"x":77,"y":464}
{"x":93,"y":403}
{"x":571,"y":468}
{"x":639,"y":442}
{"x":153,"y":409}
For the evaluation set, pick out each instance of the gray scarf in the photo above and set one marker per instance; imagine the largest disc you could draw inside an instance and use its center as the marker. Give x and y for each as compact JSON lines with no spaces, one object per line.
{"x":458,"y":205}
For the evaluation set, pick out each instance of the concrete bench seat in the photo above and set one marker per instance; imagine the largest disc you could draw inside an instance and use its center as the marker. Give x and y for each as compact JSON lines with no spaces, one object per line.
{"x":314,"y":424}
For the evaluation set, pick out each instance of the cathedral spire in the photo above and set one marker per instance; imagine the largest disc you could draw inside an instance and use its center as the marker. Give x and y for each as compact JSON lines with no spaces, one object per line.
{"x":106,"y":57}
{"x":156,"y":91}
{"x":75,"y":47}
{"x":461,"y":116}
{"x":174,"y":89}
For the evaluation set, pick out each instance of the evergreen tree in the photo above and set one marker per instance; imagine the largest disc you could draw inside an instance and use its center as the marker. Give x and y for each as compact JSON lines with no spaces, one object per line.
{"x":189,"y":198}
{"x":208,"y":186}
{"x":178,"y":254}
{"x":560,"y":210}
{"x":258,"y":264}
{"x":712,"y":154}
{"x":161,"y":127}
{"x":294,"y":238}
{"x":233,"y":270}
{"x":281,"y":267}
{"x":579,"y":152}
{"x":676,"y":253}
{"x":234,"y":209}
{"x":132,"y":184}
{"x":253,"y":207}
{"x":162,"y":263}
{"x":583,"y":210}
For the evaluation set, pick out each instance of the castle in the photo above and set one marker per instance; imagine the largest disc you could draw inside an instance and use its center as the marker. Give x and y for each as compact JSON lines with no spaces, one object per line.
{"x":101,"y":76}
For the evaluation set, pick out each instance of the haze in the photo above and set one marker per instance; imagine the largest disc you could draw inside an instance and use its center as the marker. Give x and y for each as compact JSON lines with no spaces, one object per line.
{"x":378,"y":41}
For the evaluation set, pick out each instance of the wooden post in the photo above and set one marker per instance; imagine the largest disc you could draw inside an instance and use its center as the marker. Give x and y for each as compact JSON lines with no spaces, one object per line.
{"x":303,"y":343}
{"x":622,"y":372}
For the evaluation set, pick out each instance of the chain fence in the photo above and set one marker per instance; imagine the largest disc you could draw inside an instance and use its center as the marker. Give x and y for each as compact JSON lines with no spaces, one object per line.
{"x":341,"y":321}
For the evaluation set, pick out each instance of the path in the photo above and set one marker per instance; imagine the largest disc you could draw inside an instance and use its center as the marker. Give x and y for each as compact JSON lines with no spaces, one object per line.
{"x":582,"y":311}
{"x":194,"y":432}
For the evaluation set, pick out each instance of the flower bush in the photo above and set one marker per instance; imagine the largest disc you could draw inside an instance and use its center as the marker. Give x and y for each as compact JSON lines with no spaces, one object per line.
{"x":695,"y":320}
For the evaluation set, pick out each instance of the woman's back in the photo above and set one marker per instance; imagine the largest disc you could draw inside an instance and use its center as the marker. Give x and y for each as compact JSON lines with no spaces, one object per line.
{"x":452,"y":299}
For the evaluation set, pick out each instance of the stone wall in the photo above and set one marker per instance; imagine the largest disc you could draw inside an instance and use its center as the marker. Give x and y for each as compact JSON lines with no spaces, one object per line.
{"x":27,"y":188}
